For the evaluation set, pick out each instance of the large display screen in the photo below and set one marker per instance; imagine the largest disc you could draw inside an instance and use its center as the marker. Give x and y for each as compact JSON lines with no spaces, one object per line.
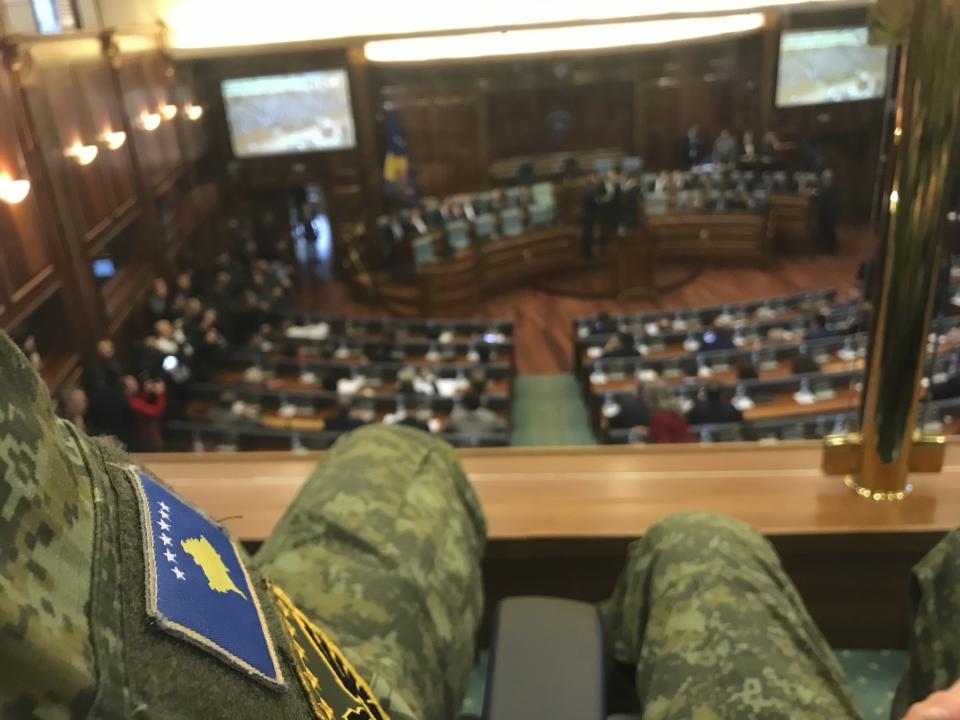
{"x":283,"y":114}
{"x":829,"y":66}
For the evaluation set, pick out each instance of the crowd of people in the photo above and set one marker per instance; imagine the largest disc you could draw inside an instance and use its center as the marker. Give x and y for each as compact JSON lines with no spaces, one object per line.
{"x":195,"y":321}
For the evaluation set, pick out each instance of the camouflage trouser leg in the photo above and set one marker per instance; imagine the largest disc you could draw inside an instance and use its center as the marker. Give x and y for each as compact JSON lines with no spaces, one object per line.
{"x":382,"y":549}
{"x":935,"y":641}
{"x":718,"y":631}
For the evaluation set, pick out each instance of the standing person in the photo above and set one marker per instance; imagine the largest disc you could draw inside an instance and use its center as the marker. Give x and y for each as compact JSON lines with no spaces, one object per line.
{"x":609,"y":204}
{"x":692,"y":148}
{"x":589,"y":210}
{"x":725,"y":148}
{"x":713,"y":408}
{"x":108,"y":412}
{"x":149,"y":404}
{"x":828,"y":211}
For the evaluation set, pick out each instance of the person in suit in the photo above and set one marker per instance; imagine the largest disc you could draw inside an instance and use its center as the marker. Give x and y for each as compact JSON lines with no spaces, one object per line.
{"x":745,"y":369}
{"x":415,"y":223}
{"x":471,"y":419}
{"x":621,"y":345}
{"x":394,"y":233}
{"x":828,"y":211}
{"x":803,"y":364}
{"x":818,"y":328}
{"x":713,"y":408}
{"x":603,"y":324}
{"x":634,"y":412}
{"x":343,"y":420}
{"x":769,"y":149}
{"x":725,"y":148}
{"x":589,"y":212}
{"x":719,"y":338}
{"x":609,"y":204}
{"x":692,"y":148}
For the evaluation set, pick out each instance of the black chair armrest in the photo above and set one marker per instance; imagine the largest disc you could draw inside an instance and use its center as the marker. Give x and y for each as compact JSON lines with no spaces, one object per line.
{"x":547,"y":662}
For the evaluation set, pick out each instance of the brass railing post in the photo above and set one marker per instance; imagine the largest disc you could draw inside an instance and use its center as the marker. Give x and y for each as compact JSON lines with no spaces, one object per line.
{"x":877,"y":461}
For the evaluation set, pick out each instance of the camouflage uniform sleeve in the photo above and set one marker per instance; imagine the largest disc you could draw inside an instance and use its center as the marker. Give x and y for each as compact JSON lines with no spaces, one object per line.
{"x":717,"y":630}
{"x":935,"y":640}
{"x":46,"y":540}
{"x":382,"y":549}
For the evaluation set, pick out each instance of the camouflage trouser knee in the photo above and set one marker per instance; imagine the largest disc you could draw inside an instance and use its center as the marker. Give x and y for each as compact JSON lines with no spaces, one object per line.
{"x":935,"y":639}
{"x":718,"y":631}
{"x":382,"y":549}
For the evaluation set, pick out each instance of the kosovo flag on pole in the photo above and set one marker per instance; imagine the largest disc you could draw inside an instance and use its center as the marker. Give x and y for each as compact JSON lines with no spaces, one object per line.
{"x":396,"y":164}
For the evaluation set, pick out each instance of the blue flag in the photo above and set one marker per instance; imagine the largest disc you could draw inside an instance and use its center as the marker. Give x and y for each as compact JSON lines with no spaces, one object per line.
{"x":197,"y":586}
{"x":396,"y":163}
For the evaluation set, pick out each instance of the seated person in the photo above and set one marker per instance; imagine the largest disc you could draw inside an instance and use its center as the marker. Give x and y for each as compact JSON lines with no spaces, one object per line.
{"x":471,"y":419}
{"x":667,"y":424}
{"x":745,"y":369}
{"x":633,"y":413}
{"x":621,"y":345}
{"x":803,"y":364}
{"x":748,"y":149}
{"x":385,"y":351}
{"x":720,"y":338}
{"x":818,"y":328}
{"x":713,"y":408}
{"x":344,"y":420}
{"x":603,"y":324}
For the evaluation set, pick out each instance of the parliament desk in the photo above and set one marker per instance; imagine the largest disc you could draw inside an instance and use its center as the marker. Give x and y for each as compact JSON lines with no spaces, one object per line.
{"x":792,"y":222}
{"x":711,"y":236}
{"x":560,"y":519}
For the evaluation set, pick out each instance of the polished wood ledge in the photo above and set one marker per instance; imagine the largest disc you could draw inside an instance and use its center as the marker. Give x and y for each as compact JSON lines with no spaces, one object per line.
{"x":598,"y":492}
{"x":560,"y":519}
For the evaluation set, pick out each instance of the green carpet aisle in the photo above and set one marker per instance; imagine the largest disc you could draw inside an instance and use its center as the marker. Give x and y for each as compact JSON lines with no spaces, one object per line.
{"x":549,"y":410}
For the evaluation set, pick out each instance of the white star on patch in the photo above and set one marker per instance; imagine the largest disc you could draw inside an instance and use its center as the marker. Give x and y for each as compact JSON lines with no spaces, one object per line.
{"x":181,"y":575}
{"x":164,"y":506}
{"x":164,"y":525}
{"x":166,"y":539}
{"x":165,"y":514}
{"x":171,"y":557}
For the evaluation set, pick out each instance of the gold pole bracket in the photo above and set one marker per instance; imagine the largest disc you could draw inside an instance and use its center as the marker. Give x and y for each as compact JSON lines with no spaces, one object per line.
{"x":844,"y":455}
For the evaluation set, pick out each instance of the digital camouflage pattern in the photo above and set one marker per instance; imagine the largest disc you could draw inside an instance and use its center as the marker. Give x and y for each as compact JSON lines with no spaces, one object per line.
{"x":935,"y":641}
{"x":397,"y":581}
{"x":718,"y":631}
{"x":382,"y":550}
{"x":46,"y":543}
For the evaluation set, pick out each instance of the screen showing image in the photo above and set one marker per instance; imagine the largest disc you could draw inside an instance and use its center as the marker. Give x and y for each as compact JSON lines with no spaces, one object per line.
{"x":829,"y":66}
{"x":282,"y":114}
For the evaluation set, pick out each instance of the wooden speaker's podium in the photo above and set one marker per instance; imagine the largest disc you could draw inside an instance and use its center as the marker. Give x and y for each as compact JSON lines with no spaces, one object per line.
{"x":634,"y":263}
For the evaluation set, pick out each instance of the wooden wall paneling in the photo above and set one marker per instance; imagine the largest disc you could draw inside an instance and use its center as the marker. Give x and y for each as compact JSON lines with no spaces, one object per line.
{"x":103,"y":106}
{"x":159,"y":74}
{"x":38,"y":258}
{"x":363,"y":117}
{"x":88,"y":187}
{"x":128,"y":80}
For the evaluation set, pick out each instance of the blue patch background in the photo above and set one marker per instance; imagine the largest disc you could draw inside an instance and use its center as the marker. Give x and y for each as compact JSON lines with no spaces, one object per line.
{"x":226,"y":620}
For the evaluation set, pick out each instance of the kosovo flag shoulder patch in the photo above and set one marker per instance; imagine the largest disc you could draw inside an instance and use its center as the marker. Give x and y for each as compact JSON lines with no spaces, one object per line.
{"x":332,"y":685}
{"x":197,"y":586}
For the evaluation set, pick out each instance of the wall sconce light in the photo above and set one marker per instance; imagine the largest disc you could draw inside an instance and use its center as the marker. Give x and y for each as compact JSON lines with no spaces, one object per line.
{"x":168,"y":111}
{"x":149,"y":121}
{"x":114,"y":140}
{"x":13,"y":191}
{"x":193,"y":112}
{"x":82,"y":154}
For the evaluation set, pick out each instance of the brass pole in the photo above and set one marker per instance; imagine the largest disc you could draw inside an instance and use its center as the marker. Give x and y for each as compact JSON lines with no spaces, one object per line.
{"x":877,"y":462}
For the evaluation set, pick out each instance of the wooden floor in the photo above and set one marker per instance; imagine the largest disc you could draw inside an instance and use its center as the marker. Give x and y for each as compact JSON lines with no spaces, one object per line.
{"x":543,"y":336}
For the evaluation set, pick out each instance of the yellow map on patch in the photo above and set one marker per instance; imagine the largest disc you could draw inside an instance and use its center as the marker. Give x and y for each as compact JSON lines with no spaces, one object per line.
{"x":209,"y":560}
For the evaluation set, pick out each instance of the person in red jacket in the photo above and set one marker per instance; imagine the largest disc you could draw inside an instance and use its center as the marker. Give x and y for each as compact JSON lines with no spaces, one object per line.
{"x":149,"y":404}
{"x":667,"y":423}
